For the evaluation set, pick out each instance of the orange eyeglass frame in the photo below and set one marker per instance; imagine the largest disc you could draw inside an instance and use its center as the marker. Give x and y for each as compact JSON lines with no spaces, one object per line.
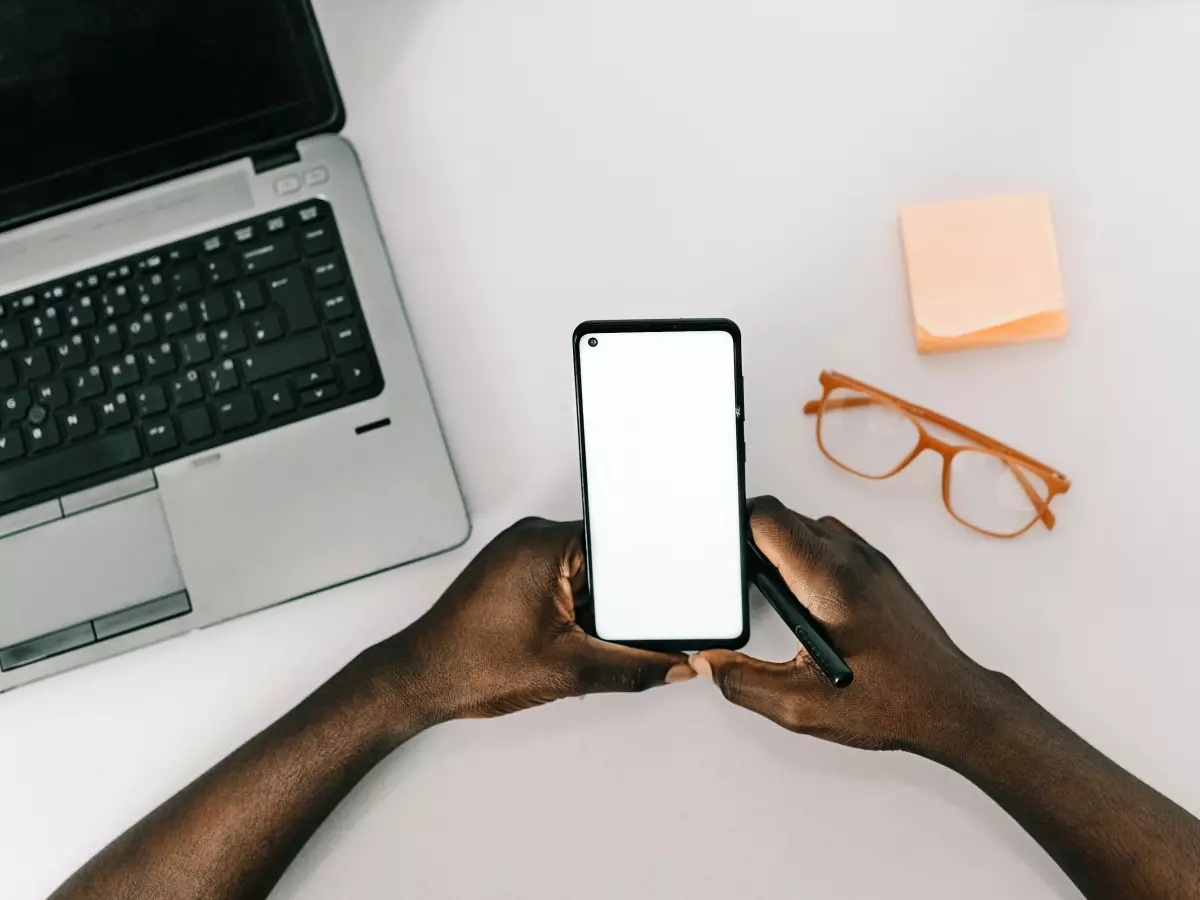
{"x":1056,"y":482}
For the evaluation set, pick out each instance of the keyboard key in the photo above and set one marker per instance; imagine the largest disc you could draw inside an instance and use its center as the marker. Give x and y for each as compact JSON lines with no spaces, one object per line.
{"x":276,"y":399}
{"x":124,"y":372}
{"x":195,"y":425}
{"x":177,"y":319}
{"x":247,"y":297}
{"x":279,"y":251}
{"x":311,"y":213}
{"x":160,"y":437}
{"x":80,"y":313}
{"x":185,"y":281}
{"x":106,"y":341}
{"x":14,"y":406}
{"x":316,"y":240}
{"x":336,"y":304}
{"x":150,"y":263}
{"x":151,"y":292}
{"x":319,"y":395}
{"x":222,"y":378}
{"x":182,"y":253}
{"x":290,"y":292}
{"x":159,"y":362}
{"x":37,"y":415}
{"x":230,"y":340}
{"x":8,"y":374}
{"x":71,"y":353}
{"x":116,"y":303}
{"x":115,"y":411}
{"x":78,"y":423}
{"x":52,"y":394}
{"x":118,"y":273}
{"x":150,"y":401}
{"x":265,"y":328}
{"x":87,"y":384}
{"x":186,"y":389}
{"x":87,"y":283}
{"x":236,"y":412}
{"x":12,"y":337}
{"x":327,"y":272}
{"x":220,"y":270}
{"x":346,"y":338}
{"x":278,"y":359}
{"x":276,"y":224}
{"x":195,"y":349}
{"x":34,"y":363}
{"x":11,"y":446}
{"x":58,"y":470}
{"x":313,"y":377}
{"x":45,"y":326}
{"x":143,"y":331}
{"x":40,"y":438}
{"x":212,"y":309}
{"x":214,"y":243}
{"x":244,"y":235}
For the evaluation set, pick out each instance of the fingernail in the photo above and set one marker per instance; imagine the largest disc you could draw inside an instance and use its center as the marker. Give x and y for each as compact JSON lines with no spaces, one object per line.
{"x":700,"y":665}
{"x":681,"y":672}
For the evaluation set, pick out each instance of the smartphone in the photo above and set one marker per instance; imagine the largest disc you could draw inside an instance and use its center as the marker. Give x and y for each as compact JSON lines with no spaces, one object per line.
{"x":662,"y":460}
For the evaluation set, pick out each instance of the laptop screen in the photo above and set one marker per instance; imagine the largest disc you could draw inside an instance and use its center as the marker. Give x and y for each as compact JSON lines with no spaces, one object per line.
{"x":101,"y":96}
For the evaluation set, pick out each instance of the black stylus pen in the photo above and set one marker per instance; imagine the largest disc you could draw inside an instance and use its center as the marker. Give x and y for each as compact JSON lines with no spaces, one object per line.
{"x":768,"y":580}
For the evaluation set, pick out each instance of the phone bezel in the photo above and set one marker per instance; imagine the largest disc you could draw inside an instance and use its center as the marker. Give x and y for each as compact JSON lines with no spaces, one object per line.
{"x":625,"y":326}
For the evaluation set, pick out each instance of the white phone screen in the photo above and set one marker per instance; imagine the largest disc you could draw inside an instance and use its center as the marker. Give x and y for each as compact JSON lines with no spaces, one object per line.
{"x":659,"y":425}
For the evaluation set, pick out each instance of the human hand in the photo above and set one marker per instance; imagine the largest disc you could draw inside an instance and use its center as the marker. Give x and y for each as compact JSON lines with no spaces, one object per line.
{"x":910,"y":679}
{"x":504,"y":637}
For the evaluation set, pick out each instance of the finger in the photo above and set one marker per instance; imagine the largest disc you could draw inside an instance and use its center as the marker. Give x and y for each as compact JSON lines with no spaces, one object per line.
{"x":603,"y":668}
{"x":786,"y":693}
{"x":801,"y":550}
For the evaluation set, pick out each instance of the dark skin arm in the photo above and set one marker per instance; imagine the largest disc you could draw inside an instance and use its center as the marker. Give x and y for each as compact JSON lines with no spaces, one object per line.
{"x":915,"y":690}
{"x":503,"y":638}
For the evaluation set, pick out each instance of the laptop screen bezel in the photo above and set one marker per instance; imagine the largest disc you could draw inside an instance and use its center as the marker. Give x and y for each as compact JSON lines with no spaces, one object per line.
{"x":260,"y":137}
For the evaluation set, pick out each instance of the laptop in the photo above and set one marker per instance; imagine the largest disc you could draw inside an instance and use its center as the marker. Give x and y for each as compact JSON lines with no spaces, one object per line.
{"x":210,"y":397}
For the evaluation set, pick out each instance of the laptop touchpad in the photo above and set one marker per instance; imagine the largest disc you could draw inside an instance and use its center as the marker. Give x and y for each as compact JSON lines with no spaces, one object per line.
{"x":85,"y":566}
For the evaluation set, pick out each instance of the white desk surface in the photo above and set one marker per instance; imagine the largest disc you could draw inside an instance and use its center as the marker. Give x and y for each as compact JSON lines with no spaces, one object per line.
{"x":539,"y":162}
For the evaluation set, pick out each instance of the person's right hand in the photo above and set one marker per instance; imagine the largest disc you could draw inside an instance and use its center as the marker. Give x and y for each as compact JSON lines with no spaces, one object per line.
{"x":913,"y":688}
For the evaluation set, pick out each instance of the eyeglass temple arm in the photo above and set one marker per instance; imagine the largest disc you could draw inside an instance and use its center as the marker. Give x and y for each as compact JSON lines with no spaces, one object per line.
{"x":813,"y":407}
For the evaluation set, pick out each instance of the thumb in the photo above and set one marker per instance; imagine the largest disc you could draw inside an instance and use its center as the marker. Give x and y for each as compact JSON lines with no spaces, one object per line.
{"x":602,"y":668}
{"x":788,"y":694}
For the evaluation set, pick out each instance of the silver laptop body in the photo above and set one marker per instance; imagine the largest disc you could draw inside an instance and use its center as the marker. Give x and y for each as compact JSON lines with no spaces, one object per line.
{"x":257,"y":520}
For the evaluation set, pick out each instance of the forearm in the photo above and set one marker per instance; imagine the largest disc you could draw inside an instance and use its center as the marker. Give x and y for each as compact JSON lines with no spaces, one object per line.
{"x":1114,"y":836}
{"x":232,"y":833}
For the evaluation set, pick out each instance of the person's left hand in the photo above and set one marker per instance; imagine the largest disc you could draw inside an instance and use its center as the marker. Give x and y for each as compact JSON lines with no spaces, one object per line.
{"x":504,"y":637}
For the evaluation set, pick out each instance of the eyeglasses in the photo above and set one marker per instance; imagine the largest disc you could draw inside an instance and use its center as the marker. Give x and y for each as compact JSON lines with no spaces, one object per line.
{"x":986,"y":485}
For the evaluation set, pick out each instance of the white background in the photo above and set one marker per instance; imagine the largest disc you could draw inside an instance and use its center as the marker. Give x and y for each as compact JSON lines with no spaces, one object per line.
{"x":540,"y":162}
{"x":660,"y":431}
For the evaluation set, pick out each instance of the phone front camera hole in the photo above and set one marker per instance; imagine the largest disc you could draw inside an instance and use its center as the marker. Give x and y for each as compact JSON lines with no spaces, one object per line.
{"x":592,"y":342}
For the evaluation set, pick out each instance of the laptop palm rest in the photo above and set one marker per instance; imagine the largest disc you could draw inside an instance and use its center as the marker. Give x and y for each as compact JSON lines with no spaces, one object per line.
{"x":86,"y":566}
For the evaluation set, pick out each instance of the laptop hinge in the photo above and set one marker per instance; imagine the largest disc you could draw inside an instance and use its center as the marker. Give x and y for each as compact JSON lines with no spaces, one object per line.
{"x":275,"y":159}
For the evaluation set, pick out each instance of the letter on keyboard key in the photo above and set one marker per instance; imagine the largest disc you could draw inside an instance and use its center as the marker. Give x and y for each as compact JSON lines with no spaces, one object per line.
{"x":236,"y":412}
{"x":58,"y":470}
{"x":278,"y":359}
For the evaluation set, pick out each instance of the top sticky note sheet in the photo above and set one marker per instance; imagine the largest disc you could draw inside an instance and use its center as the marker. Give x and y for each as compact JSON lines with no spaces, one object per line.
{"x":983,"y":272}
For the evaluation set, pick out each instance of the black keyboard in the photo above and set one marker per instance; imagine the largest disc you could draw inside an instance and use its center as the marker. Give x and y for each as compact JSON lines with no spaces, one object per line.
{"x":176,"y":351}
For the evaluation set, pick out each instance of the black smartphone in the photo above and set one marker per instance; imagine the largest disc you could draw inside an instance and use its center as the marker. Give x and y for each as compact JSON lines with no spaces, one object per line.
{"x":662,"y":460}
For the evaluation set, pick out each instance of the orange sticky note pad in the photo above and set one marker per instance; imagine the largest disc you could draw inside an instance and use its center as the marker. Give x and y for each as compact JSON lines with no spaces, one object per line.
{"x":983,"y":273}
